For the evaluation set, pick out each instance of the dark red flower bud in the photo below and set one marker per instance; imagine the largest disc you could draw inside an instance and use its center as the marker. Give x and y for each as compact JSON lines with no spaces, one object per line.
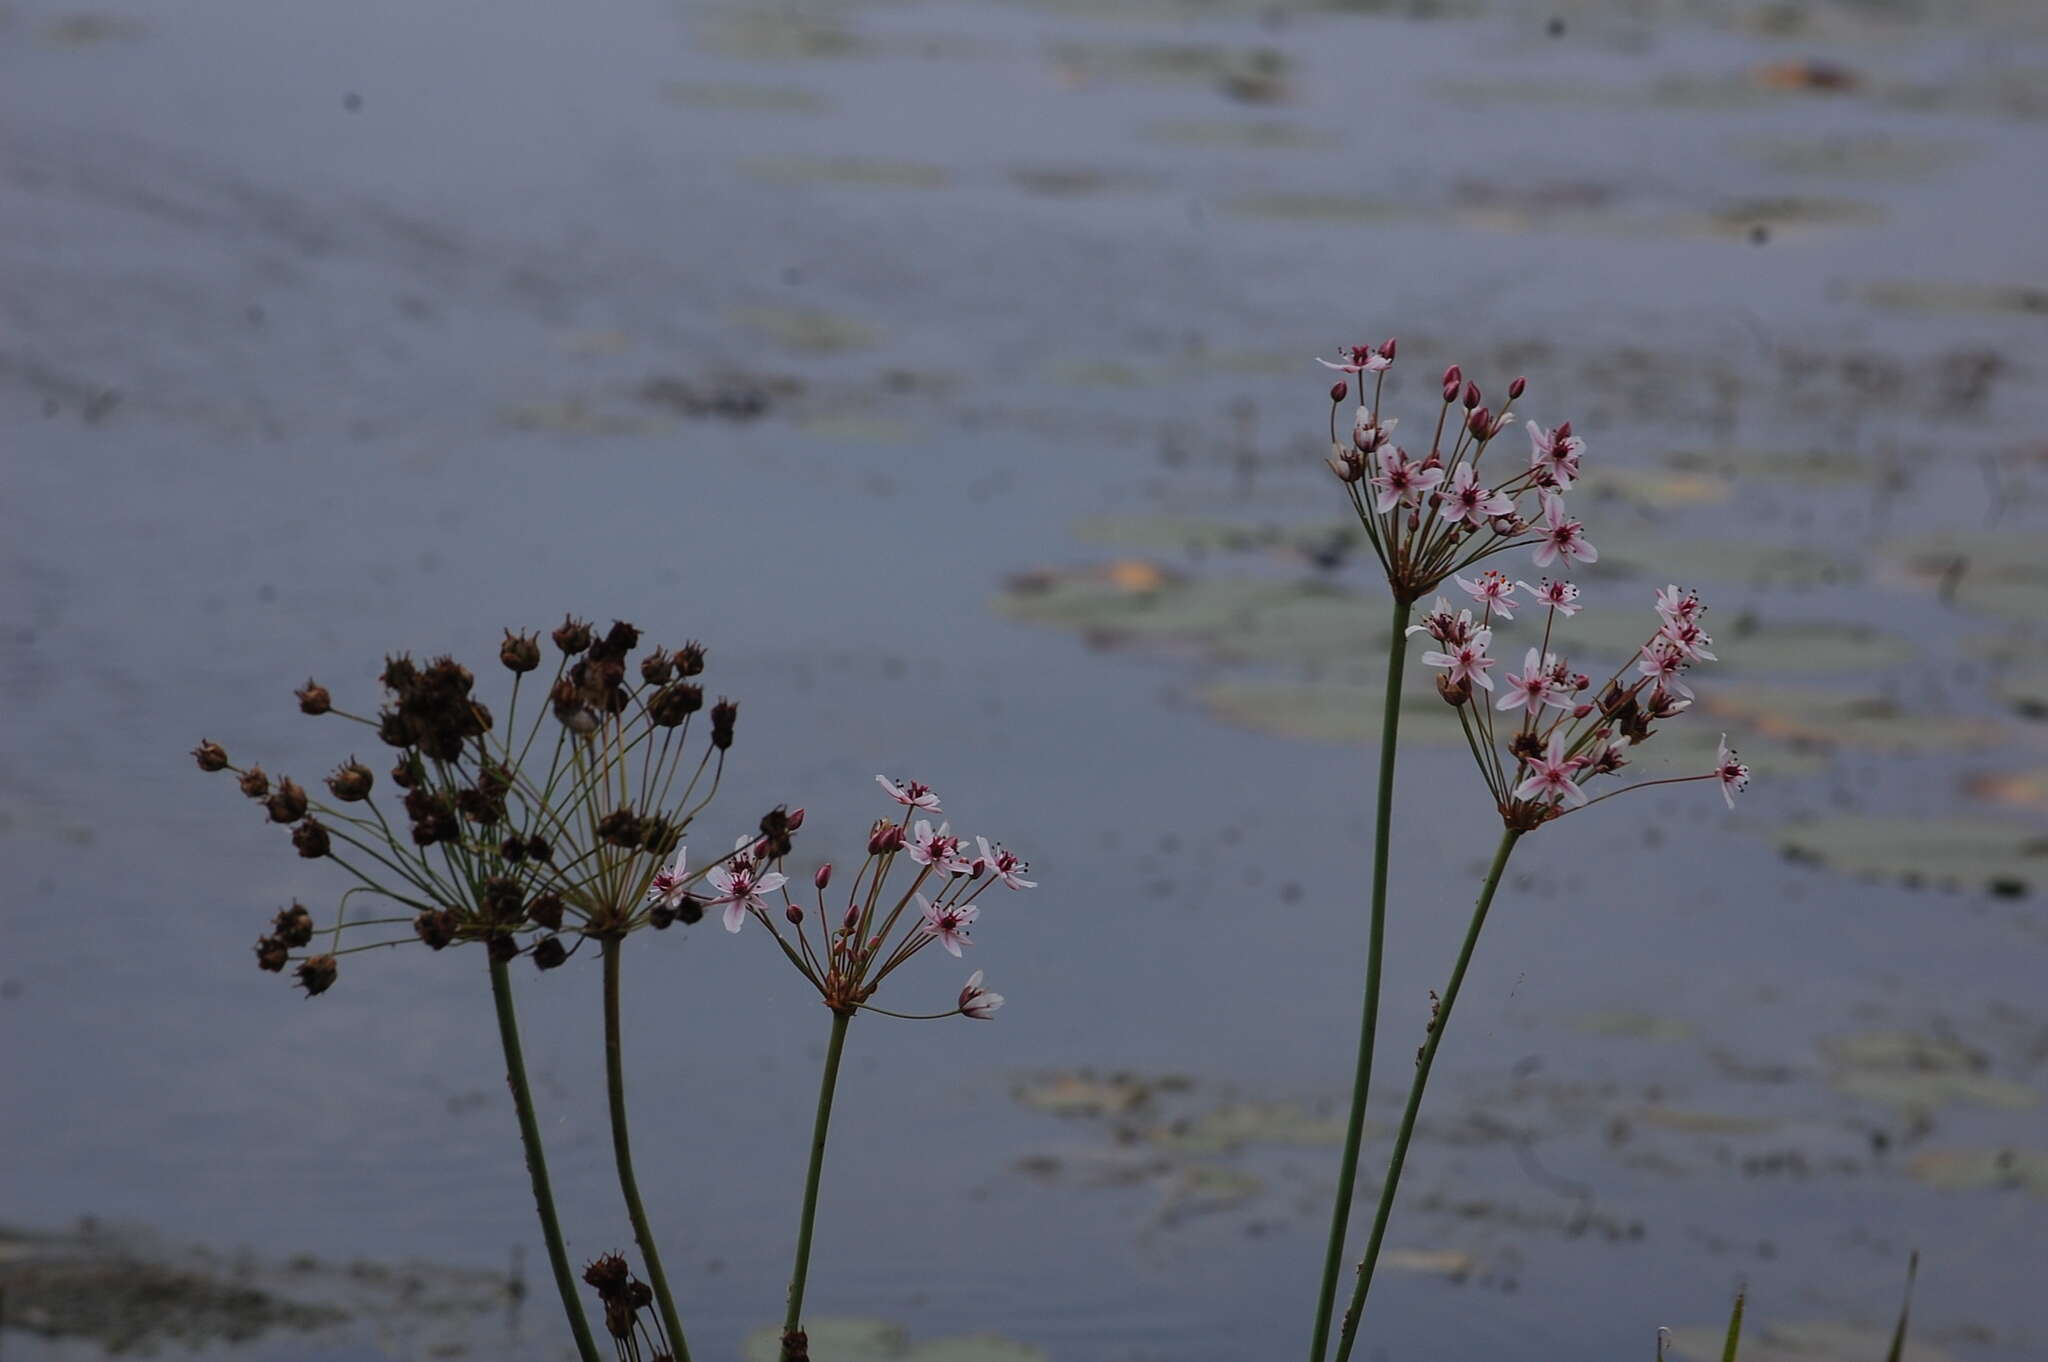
{"x":1516,"y":388}
{"x":211,"y":756}
{"x":1471,"y":396}
{"x":1453,"y":376}
{"x":1387,"y":348}
{"x":1339,"y":390}
{"x":519,"y":652}
{"x":794,"y":914}
{"x":822,"y":877}
{"x":1480,"y":423}
{"x":852,"y":918}
{"x":572,"y":636}
{"x":884,"y":837}
{"x":313,"y":698}
{"x":293,"y":926}
{"x":311,"y":839}
{"x":1450,"y":393}
{"x":316,"y":975}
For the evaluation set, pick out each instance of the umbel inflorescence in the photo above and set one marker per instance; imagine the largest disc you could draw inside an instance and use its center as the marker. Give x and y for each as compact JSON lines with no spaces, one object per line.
{"x":552,"y":824}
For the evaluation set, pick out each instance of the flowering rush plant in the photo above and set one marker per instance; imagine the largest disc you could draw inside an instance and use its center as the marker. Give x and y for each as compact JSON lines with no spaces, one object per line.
{"x":1539,"y":735}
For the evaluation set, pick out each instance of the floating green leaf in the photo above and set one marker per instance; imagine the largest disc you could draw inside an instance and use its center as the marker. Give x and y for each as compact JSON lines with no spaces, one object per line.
{"x":1962,"y":1170}
{"x":874,"y":1340}
{"x":1974,"y":853}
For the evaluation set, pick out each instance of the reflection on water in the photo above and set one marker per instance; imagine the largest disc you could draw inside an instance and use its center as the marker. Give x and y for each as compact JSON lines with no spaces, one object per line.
{"x":812,"y":330}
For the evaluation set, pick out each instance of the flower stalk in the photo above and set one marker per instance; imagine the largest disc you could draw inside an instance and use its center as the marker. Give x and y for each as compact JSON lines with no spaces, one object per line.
{"x":1423,"y":1062}
{"x":1368,"y":1026}
{"x":622,"y":1151}
{"x":536,"y":1158}
{"x":795,"y":1344}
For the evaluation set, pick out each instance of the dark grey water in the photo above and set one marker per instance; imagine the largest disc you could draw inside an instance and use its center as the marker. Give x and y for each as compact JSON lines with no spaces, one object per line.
{"x":327,"y":331}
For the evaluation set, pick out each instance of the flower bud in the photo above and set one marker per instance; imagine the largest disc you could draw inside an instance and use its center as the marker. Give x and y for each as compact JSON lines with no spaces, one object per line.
{"x":656,"y":668}
{"x":254,"y":783}
{"x":316,"y":975}
{"x":546,"y":911}
{"x":884,"y":837}
{"x":436,"y":928}
{"x":723,"y":715}
{"x":1581,"y":711}
{"x":1453,"y":377}
{"x":211,"y":756}
{"x":794,"y":914}
{"x":572,"y":636}
{"x":1450,"y":393}
{"x":271,"y":955}
{"x":1339,"y":390}
{"x":1564,"y":431}
{"x":1387,"y":348}
{"x":852,"y":918}
{"x":549,"y":953}
{"x":796,"y":818}
{"x":1516,"y":388}
{"x":293,"y":926}
{"x":1471,"y":396}
{"x":311,"y":839}
{"x":823,"y":877}
{"x":519,"y":652}
{"x":1480,"y":423}
{"x":313,"y":698}
{"x":351,"y":781}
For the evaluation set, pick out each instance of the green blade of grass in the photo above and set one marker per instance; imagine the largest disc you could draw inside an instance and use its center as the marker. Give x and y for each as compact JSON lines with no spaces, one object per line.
{"x":1905,"y":1309}
{"x":1734,"y":1327}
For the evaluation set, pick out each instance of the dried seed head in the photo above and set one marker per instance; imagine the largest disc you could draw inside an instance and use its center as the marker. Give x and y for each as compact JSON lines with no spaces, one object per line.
{"x":573,"y":635}
{"x":512,"y":850}
{"x":776,"y":831}
{"x":618,"y":640}
{"x":538,"y":848}
{"x":313,"y":698}
{"x":503,"y":949}
{"x":723,"y":715}
{"x":311,"y":839}
{"x":316,"y":975}
{"x":393,"y":730}
{"x":519,"y":652}
{"x":436,"y":928}
{"x":620,"y":828}
{"x":288,"y":803}
{"x":351,"y":782}
{"x":639,"y":1295}
{"x":674,"y":703}
{"x":1454,"y":692}
{"x":690,"y":911}
{"x":546,"y":910}
{"x":661,"y":917}
{"x":254,"y":783}
{"x":690,"y":658}
{"x":609,"y":1274}
{"x":502,"y":900}
{"x":657,"y":668}
{"x":549,"y":953}
{"x":1526,"y":746}
{"x":400,"y":674}
{"x":211,"y":756}
{"x":403,"y":775}
{"x":271,"y":954}
{"x":293,"y":926}
{"x":658,"y":836}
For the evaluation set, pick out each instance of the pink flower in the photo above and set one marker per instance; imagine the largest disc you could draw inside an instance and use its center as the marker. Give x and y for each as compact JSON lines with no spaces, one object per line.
{"x":1690,"y":639}
{"x":740,"y":887}
{"x":911,"y":794}
{"x":1663,"y":663}
{"x":1534,"y":688}
{"x":1005,"y":865}
{"x":939,"y":850}
{"x":1732,"y":774}
{"x":1562,"y":537}
{"x":1362,"y":358}
{"x":1679,"y":607}
{"x":1562,"y":597}
{"x":1367,"y":432}
{"x":1467,"y":661}
{"x":976,"y":1001}
{"x":1554,"y":454}
{"x":1465,"y":499}
{"x":1552,"y":774}
{"x":949,"y":923}
{"x":1401,"y":479}
{"x":1440,"y":625}
{"x":666,"y":888}
{"x":1492,"y":590}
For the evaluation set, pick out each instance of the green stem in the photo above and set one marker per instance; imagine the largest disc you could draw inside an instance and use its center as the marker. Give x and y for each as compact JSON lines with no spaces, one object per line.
{"x":1408,"y":1114}
{"x":794,"y":1317}
{"x":1368,"y":1026}
{"x":536,"y":1161}
{"x":622,"y":1152}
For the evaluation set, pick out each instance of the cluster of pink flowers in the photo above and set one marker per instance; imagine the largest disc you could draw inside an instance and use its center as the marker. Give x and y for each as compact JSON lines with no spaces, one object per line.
{"x":1565,"y":734}
{"x":1431,"y":516}
{"x":857,"y":943}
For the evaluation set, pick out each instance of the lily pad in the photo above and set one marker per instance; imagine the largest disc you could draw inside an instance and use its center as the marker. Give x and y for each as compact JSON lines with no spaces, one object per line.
{"x":1827,"y":720}
{"x":1199,"y":1188}
{"x":1264,"y":135}
{"x":1088,"y":1094}
{"x":1868,"y":156}
{"x":1453,"y":1263}
{"x":1703,"y":1122}
{"x":1788,"y":216}
{"x":1232,"y":1126}
{"x":1610,"y":632}
{"x":1757,"y":564}
{"x":1314,"y":207}
{"x":1807,"y":467}
{"x":1958,"y":1170}
{"x":869,"y":171}
{"x":2001,"y":573}
{"x":743,"y":98}
{"x":1632,"y":1025}
{"x":2025,"y":689}
{"x":807,"y":329}
{"x":874,"y":1340}
{"x":1974,"y":853}
{"x":1219,"y":619}
{"x":1916,"y":295}
{"x":1208,"y":534}
{"x":2014,"y":789}
{"x":1326,"y":711}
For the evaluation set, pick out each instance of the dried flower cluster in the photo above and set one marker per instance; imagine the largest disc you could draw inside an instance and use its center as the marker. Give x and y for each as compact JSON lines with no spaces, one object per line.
{"x":509,"y":838}
{"x":1433,"y":516}
{"x":629,"y":1315}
